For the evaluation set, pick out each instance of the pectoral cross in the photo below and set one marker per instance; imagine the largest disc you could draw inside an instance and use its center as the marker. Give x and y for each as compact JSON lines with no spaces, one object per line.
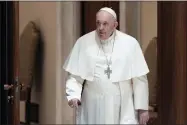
{"x":108,"y":71}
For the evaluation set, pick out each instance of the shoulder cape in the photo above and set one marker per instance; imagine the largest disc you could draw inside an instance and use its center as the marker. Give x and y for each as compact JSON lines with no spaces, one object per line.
{"x":127,"y":59}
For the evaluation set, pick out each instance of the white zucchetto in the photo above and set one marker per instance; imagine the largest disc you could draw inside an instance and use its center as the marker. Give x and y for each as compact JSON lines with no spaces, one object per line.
{"x":109,"y":10}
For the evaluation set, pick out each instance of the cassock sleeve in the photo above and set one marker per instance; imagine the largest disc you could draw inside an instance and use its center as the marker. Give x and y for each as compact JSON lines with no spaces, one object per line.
{"x":141,"y":93}
{"x":74,"y":87}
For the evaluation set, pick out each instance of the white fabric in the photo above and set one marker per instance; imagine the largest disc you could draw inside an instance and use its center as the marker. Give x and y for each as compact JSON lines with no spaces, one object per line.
{"x":74,"y":87}
{"x":104,"y":101}
{"x":109,"y":10}
{"x":101,"y":98}
{"x":127,"y":58}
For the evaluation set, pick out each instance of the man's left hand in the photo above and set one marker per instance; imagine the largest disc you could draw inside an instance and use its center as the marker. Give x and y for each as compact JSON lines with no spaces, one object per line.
{"x":143,"y":116}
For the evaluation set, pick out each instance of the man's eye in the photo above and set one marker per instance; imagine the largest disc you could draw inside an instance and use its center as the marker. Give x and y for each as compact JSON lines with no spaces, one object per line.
{"x":105,"y":24}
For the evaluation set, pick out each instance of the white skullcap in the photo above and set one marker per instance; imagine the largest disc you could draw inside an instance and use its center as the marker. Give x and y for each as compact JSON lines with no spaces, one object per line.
{"x":109,"y":10}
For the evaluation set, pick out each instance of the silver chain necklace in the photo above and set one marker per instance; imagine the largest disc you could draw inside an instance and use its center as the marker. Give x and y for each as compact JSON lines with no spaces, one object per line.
{"x":108,"y":71}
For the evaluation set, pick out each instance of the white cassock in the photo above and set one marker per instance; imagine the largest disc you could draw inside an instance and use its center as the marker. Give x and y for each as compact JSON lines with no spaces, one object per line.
{"x":104,"y":100}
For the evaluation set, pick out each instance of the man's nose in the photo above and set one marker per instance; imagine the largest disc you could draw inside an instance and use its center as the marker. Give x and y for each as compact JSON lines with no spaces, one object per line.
{"x":101,"y":27}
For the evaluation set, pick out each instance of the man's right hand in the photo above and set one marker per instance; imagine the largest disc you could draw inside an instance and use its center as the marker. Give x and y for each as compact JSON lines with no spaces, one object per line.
{"x":74,"y":103}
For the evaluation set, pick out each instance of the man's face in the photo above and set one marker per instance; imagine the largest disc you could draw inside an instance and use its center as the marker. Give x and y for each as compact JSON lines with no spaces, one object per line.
{"x":105,"y":24}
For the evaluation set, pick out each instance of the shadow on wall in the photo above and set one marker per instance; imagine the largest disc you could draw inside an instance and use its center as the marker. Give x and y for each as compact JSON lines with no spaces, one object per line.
{"x":30,"y":57}
{"x":31,"y":62}
{"x":151,"y":59}
{"x":39,"y":64}
{"x":38,"y":80}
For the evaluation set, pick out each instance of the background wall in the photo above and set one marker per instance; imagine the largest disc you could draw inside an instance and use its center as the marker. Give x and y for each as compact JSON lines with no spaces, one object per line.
{"x":59,"y":24}
{"x":45,"y":16}
{"x":148,"y":32}
{"x":139,"y":19}
{"x":70,"y":31}
{"x":148,"y":22}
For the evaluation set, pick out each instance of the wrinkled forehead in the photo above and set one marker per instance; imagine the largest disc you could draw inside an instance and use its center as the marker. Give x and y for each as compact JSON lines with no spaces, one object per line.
{"x":104,"y":16}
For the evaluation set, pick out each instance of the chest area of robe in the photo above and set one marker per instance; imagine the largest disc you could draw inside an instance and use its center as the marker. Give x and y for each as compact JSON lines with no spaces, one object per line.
{"x":120,"y":53}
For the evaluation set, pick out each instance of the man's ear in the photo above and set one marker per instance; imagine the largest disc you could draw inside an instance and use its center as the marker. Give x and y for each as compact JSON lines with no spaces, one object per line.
{"x":116,"y":24}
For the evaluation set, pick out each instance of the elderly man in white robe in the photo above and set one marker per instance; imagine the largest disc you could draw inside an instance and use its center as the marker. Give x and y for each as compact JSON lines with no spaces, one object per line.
{"x":113,"y":69}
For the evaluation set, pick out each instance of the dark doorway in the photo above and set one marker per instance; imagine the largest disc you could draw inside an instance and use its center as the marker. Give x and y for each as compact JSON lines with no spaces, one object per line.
{"x":9,"y":39}
{"x":6,"y":35}
{"x":172,"y":53}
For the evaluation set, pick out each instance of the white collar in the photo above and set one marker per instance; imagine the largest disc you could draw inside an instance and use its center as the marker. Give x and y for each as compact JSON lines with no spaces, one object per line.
{"x":108,"y":40}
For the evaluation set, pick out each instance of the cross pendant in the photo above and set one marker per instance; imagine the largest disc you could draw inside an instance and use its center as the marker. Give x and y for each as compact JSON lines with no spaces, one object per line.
{"x":108,"y":71}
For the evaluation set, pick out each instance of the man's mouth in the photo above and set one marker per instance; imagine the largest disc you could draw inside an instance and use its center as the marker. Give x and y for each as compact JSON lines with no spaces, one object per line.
{"x":100,"y":33}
